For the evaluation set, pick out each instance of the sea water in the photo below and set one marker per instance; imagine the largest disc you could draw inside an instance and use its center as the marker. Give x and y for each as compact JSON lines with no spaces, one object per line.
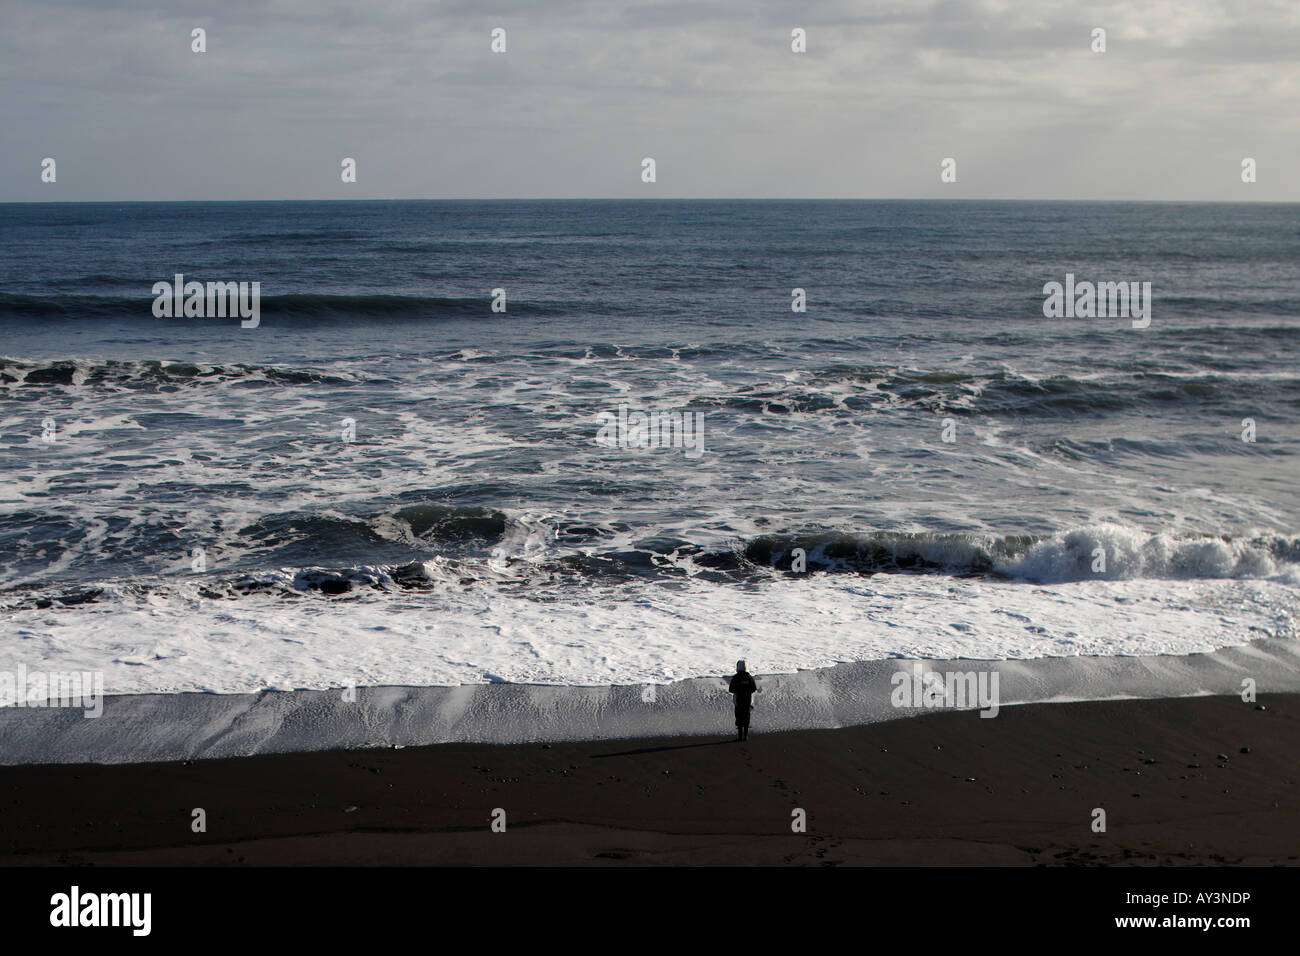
{"x":399,"y":475}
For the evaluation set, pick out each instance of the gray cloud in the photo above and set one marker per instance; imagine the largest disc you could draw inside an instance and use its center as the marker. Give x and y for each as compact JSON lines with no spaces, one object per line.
{"x":1007,"y":87}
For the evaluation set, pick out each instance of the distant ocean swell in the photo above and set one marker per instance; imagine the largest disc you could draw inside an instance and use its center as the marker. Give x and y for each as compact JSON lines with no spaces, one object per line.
{"x":131,"y":300}
{"x":826,"y":389}
{"x":293,"y":307}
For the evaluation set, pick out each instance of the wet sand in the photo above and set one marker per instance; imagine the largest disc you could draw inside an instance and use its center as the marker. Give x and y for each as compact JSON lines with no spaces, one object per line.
{"x":949,"y":788}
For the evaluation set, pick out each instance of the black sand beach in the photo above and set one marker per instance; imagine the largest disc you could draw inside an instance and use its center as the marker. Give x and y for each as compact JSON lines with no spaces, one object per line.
{"x":1191,"y":781}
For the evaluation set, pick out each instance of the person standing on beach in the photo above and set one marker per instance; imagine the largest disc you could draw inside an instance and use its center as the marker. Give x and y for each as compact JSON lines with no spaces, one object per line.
{"x":744,"y":687}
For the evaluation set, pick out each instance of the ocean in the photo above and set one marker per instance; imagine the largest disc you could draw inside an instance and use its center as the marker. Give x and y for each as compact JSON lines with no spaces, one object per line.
{"x":399,"y":476}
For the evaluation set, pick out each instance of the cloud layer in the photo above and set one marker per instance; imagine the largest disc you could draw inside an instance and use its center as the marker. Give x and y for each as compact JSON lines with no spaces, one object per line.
{"x":1009,"y":88}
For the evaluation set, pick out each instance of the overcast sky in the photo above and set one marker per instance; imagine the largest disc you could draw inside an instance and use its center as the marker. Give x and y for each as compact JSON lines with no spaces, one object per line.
{"x":1009,"y":88}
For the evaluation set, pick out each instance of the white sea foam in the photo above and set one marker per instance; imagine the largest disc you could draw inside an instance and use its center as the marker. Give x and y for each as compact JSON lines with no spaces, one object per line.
{"x":155,"y":727}
{"x":642,"y":631}
{"x":1129,"y":552}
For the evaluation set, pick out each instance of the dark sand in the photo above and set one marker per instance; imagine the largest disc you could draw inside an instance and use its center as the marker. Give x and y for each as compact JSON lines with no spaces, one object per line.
{"x":947,"y":788}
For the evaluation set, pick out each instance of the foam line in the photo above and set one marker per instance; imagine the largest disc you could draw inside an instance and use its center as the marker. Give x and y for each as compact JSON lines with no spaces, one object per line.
{"x":159,"y":727}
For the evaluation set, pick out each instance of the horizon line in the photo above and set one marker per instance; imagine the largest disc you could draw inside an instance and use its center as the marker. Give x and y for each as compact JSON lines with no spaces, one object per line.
{"x":86,"y":202}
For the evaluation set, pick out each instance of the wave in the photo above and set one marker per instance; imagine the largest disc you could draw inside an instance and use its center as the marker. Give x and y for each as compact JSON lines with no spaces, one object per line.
{"x":150,"y":374}
{"x":431,"y":546}
{"x":1098,"y":552}
{"x":312,"y":236}
{"x":285,"y":308}
{"x":833,"y":389}
{"x":411,"y":526}
{"x":1229,"y":305}
{"x":1005,"y":392}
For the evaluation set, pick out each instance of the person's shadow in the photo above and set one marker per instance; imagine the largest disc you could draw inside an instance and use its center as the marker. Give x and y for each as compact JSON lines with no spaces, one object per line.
{"x":655,"y":750}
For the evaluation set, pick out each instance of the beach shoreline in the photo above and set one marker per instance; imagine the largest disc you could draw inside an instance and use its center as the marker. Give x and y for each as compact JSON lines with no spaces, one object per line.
{"x":134,"y":728}
{"x":1182,"y":781}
